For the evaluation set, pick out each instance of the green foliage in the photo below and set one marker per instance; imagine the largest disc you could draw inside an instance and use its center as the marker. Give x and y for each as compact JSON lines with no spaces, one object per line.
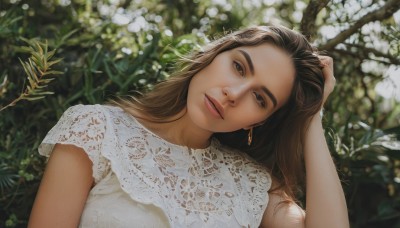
{"x":38,"y":70}
{"x":100,"y":57}
{"x":369,"y":162}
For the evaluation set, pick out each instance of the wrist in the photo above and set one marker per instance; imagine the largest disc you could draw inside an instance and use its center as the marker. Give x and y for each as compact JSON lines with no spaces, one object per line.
{"x":317,"y":118}
{"x":315,"y":124}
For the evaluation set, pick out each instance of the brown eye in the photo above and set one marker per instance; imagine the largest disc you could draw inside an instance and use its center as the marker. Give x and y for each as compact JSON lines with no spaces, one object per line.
{"x":238,"y":68}
{"x":260,"y":99}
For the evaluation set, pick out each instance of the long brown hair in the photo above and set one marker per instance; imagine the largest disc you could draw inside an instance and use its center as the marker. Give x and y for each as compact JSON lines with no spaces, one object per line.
{"x":278,"y":143}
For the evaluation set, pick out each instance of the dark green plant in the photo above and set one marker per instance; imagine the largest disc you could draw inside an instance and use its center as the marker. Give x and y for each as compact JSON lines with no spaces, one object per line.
{"x":38,"y":71}
{"x":103,"y":58}
{"x":369,"y":162}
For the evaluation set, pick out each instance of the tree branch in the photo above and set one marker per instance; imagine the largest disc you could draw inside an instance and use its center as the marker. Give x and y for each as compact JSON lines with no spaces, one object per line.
{"x":384,"y":12}
{"x":307,"y":24}
{"x":362,"y":57}
{"x":377,"y":53}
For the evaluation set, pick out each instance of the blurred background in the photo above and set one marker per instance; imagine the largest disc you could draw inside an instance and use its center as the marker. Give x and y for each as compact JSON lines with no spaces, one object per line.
{"x":58,"y":53}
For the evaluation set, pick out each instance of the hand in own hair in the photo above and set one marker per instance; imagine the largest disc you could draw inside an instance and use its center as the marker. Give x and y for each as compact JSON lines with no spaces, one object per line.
{"x":327,"y":70}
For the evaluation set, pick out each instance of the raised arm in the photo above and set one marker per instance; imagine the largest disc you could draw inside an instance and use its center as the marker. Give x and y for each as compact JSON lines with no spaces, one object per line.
{"x":64,"y":189}
{"x":325,"y":201}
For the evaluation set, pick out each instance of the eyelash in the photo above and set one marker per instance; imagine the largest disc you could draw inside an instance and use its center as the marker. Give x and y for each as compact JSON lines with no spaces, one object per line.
{"x":260,"y":100}
{"x":241,"y":70}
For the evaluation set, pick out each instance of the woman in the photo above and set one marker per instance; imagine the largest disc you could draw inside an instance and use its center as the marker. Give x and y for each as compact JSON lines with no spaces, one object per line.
{"x":178,"y":155}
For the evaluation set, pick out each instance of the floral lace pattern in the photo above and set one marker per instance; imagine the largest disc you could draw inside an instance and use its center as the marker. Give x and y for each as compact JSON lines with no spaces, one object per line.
{"x":211,"y":187}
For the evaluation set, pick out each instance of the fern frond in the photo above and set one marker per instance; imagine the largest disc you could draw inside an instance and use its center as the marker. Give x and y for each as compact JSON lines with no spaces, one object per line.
{"x":3,"y":84}
{"x":33,"y":98}
{"x":7,"y":179}
{"x":51,"y":63}
{"x":38,"y":71}
{"x":52,"y":72}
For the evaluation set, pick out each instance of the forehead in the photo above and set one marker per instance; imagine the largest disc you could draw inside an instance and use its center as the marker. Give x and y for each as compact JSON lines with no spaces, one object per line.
{"x":273,"y":69}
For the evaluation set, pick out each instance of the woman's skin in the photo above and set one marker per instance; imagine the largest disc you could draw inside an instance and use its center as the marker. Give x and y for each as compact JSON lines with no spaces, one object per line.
{"x":64,"y":189}
{"x":230,"y":82}
{"x":239,"y":90}
{"x":325,"y":201}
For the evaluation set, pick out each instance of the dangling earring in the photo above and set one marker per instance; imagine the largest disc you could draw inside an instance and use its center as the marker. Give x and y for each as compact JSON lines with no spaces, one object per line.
{"x":250,"y":136}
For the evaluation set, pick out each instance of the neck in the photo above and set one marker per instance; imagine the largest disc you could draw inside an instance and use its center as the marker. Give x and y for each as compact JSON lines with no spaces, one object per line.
{"x":180,"y":130}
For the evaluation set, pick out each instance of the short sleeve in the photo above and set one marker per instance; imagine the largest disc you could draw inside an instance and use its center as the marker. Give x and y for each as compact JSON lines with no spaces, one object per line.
{"x":83,"y":126}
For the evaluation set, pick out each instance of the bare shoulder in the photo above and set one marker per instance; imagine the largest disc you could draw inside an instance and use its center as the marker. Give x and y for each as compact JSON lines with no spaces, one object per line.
{"x":282,"y":214}
{"x":63,"y":190}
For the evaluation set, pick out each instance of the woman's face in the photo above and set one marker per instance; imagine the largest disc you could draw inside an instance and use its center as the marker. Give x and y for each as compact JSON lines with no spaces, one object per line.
{"x":240,"y":88}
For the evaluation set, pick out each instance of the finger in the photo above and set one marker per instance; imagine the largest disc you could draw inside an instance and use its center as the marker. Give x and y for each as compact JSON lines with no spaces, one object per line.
{"x":327,"y":66}
{"x":326,"y":61}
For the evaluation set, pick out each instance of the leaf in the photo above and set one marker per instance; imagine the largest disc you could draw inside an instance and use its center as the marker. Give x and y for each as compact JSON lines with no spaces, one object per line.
{"x":66,"y":36}
{"x":27,"y":41}
{"x":24,"y":66}
{"x":391,"y":145}
{"x":52,"y":72}
{"x":12,"y":21}
{"x":33,"y":98}
{"x":37,"y":58}
{"x":8,"y":179}
{"x":46,"y":47}
{"x":46,"y":81}
{"x":32,"y":84}
{"x":49,"y":64}
{"x":34,"y":70}
{"x":50,"y":54}
{"x":23,"y":49}
{"x":36,"y":67}
{"x":39,"y":48}
{"x":45,"y":93}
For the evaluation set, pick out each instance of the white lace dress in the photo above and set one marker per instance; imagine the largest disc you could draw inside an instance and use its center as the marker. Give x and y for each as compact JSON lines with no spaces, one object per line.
{"x":142,"y":180}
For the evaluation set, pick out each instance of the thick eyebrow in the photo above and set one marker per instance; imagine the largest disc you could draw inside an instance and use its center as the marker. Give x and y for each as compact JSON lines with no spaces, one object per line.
{"x":251,"y":66}
{"x":248,"y":59}
{"x":271,"y":96}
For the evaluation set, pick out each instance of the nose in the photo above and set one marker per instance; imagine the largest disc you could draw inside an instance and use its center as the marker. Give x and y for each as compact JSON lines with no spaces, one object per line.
{"x":234,"y":93}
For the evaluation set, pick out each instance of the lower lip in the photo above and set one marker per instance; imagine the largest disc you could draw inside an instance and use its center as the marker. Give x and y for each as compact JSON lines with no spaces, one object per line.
{"x":211,"y":108}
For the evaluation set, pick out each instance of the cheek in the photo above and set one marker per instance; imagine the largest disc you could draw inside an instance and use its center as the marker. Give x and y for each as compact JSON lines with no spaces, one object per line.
{"x":249,"y":114}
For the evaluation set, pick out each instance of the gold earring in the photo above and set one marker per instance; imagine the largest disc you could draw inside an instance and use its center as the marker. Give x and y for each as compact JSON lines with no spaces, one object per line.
{"x":250,"y":136}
